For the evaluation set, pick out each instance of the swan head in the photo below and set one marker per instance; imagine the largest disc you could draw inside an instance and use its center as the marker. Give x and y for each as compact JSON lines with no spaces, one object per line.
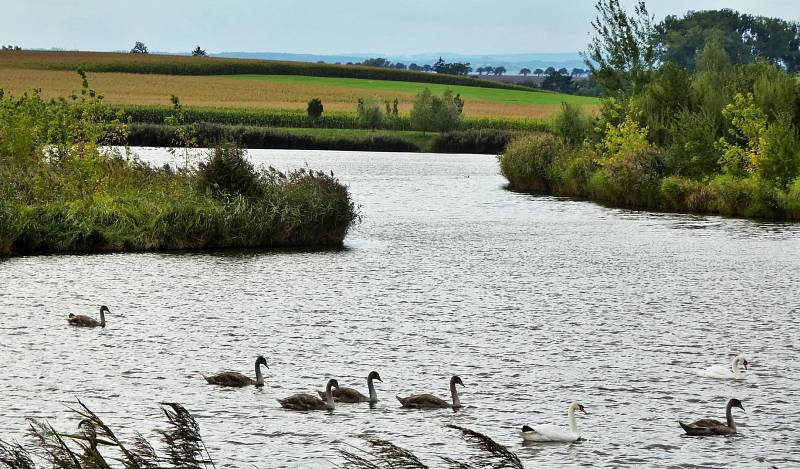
{"x":456,"y":380}
{"x":578,"y":406}
{"x":333,"y":384}
{"x":736,"y":403}
{"x":374,"y":375}
{"x":104,"y":309}
{"x":261,"y":361}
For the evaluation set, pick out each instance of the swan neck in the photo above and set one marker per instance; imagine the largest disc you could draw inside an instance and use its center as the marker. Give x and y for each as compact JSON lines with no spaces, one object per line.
{"x":737,"y":373}
{"x":259,"y":376}
{"x":573,"y":425}
{"x":329,"y":397}
{"x":729,"y":416}
{"x":102,"y":318}
{"x":454,"y":393}
{"x":373,"y":396}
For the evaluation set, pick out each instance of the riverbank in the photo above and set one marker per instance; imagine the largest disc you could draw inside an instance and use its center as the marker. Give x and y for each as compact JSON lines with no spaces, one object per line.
{"x":542,"y":165}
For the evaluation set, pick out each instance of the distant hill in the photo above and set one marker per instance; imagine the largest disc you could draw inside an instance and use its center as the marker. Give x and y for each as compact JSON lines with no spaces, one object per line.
{"x":512,"y":62}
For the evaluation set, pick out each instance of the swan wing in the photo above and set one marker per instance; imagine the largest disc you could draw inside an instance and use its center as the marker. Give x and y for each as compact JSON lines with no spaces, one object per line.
{"x":229,"y":378}
{"x":716,"y":371}
{"x":548,"y":433}
{"x":303,"y":402}
{"x":348,"y":395}
{"x":423,"y":401}
{"x":81,"y":320}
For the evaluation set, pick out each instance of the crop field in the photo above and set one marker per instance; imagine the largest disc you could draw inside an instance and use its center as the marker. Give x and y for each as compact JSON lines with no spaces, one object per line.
{"x":278,"y":92}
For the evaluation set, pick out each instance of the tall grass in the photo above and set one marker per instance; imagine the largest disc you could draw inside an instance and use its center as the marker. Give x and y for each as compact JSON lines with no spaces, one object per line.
{"x":95,"y":445}
{"x":299,"y":118}
{"x":61,"y":191}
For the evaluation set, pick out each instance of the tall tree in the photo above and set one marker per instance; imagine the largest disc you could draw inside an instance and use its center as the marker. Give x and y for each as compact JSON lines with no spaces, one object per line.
{"x":198,"y":52}
{"x":538,"y":72}
{"x":498,"y":71}
{"x":525,"y":72}
{"x":621,"y":55}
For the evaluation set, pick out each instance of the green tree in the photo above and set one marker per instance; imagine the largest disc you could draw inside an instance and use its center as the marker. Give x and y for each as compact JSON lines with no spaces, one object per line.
{"x":538,"y":72}
{"x":525,"y":72}
{"x":436,"y":113}
{"x":198,"y":52}
{"x":139,"y":48}
{"x":621,"y":55}
{"x":498,"y":71}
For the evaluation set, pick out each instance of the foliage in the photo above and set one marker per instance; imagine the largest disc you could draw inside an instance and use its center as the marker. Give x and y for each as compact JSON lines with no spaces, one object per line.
{"x":621,"y":55}
{"x":436,"y":113}
{"x":744,"y":147}
{"x":228,"y":173}
{"x":571,"y":125}
{"x":315,"y":108}
{"x":62,"y":188}
{"x":744,"y":37}
{"x":528,"y":162}
{"x":198,"y":52}
{"x":369,"y":114}
{"x":455,"y":68}
{"x":623,"y":139}
{"x":139,"y":48}
{"x":472,"y":141}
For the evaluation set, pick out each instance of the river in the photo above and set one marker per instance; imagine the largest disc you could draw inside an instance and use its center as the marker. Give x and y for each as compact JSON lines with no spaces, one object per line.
{"x":533,"y":301}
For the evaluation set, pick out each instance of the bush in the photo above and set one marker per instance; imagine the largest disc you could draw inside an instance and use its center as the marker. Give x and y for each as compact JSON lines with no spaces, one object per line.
{"x":571,"y":125}
{"x":315,"y":108}
{"x":434,"y":113}
{"x":369,"y":114}
{"x":228,"y":173}
{"x":632,"y":181}
{"x":528,"y":162}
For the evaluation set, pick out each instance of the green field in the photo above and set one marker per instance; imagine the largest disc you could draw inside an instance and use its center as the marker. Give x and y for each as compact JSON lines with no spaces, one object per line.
{"x":468,"y":93}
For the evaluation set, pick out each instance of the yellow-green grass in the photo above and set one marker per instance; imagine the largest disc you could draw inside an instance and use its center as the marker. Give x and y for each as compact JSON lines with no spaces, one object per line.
{"x":279,"y":92}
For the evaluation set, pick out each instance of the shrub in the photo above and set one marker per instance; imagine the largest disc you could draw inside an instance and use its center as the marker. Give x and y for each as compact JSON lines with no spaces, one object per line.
{"x":693,"y":150}
{"x":528,"y":162}
{"x":780,"y":162}
{"x":228,"y":173}
{"x":434,"y":113}
{"x":632,"y":181}
{"x":369,"y":114}
{"x":571,"y":125}
{"x":315,"y":108}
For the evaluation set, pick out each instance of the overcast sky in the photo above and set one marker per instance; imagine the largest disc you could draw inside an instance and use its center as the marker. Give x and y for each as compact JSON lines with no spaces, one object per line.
{"x":327,"y":26}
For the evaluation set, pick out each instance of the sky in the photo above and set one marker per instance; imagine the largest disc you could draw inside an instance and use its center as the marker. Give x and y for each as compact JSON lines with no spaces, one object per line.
{"x":328,"y":26}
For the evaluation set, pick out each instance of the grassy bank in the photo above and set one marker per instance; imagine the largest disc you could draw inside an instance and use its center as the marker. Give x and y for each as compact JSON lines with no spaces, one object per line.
{"x":542,"y":164}
{"x":60,"y":192}
{"x":210,"y":135}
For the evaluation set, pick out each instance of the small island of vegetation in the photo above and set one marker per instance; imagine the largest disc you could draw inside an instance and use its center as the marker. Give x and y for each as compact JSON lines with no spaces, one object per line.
{"x":706,"y":134}
{"x":66,"y":187}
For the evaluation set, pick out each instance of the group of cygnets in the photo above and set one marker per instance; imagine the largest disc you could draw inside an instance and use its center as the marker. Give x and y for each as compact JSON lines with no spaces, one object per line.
{"x":326,"y":400}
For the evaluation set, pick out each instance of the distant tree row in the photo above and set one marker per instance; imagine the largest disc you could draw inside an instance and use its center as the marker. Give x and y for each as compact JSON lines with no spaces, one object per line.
{"x":141,"y":48}
{"x":10,"y":47}
{"x":441,"y":66}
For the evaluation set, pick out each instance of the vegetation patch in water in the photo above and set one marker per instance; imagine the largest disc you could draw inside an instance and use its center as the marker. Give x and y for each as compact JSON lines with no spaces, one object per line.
{"x":63,"y":188}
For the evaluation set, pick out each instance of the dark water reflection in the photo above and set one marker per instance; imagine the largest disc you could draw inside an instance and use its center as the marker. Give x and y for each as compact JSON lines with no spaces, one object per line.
{"x":534,"y":302}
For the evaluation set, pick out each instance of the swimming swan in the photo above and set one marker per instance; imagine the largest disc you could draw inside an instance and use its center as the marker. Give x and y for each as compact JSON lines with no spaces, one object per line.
{"x":721,"y":372}
{"x":429,"y":401}
{"x":238,"y":380}
{"x":706,"y":427}
{"x":85,"y":321}
{"x":309,"y":402}
{"x":555,"y":432}
{"x":351,"y":395}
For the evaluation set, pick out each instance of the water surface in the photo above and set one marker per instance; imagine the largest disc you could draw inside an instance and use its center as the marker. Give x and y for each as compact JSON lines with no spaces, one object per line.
{"x":533,"y":301}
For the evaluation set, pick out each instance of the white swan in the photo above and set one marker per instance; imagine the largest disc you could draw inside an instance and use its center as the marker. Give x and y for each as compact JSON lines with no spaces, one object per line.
{"x":554,"y":432}
{"x":722,"y":372}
